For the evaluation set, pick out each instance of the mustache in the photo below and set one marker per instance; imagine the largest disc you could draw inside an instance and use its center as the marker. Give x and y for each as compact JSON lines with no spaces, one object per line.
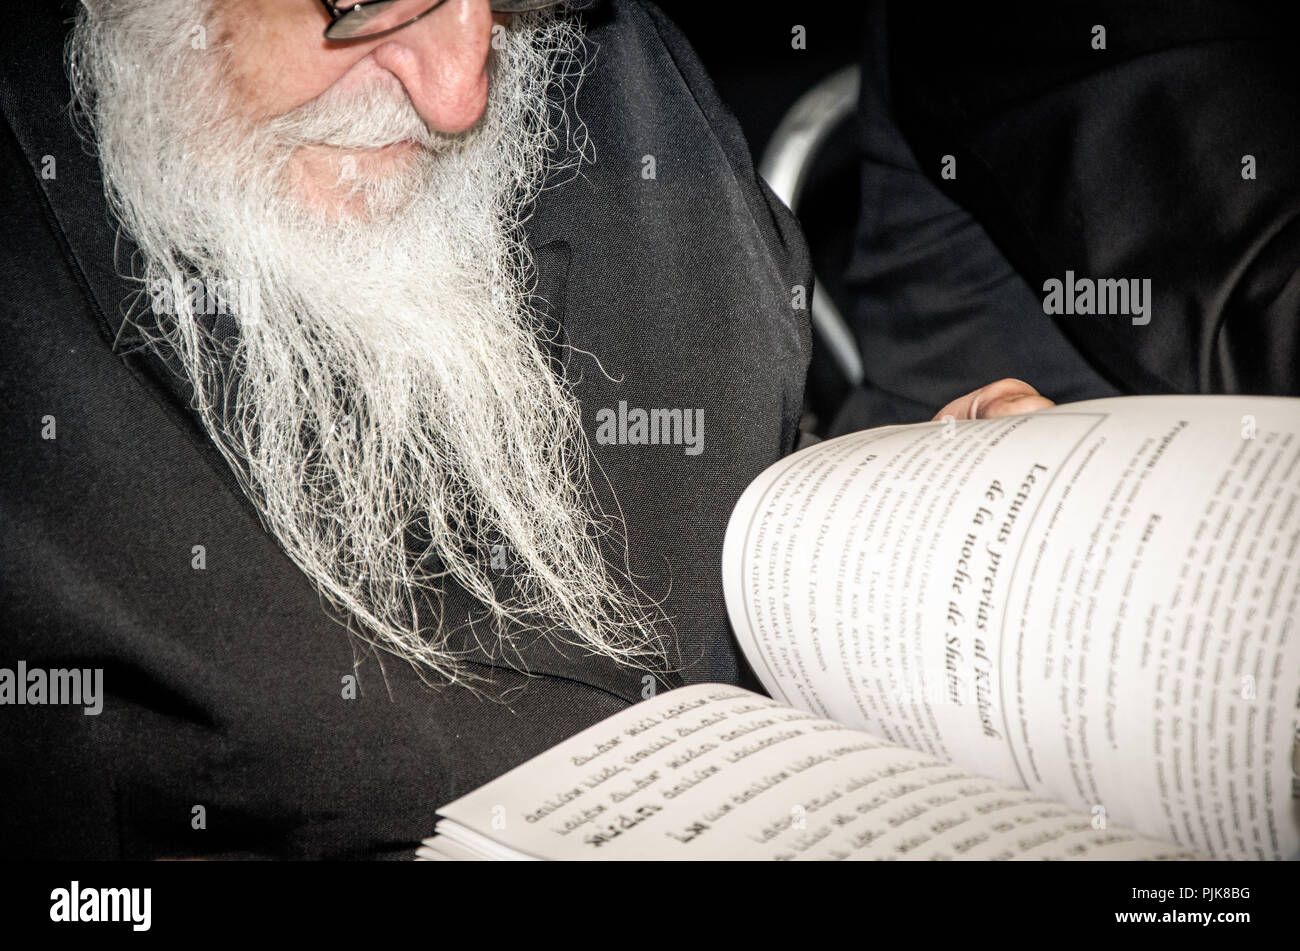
{"x":369,"y":117}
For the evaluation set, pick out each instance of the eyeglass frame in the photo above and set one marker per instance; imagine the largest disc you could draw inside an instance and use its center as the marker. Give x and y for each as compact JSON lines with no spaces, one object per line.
{"x":336,"y":14}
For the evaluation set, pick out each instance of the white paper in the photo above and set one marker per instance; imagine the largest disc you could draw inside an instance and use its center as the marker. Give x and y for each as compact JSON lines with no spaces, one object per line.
{"x":716,"y":772}
{"x":1098,"y":603}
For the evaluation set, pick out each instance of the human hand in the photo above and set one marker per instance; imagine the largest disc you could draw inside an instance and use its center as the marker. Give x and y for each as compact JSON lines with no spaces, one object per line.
{"x":1006,"y":397}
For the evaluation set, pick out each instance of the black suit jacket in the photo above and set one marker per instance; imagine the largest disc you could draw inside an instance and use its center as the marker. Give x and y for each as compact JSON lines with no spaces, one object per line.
{"x":1124,"y":162}
{"x":225,"y":686}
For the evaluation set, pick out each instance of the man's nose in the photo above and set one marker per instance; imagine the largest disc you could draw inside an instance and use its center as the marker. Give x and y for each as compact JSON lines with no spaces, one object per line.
{"x":442,"y":61}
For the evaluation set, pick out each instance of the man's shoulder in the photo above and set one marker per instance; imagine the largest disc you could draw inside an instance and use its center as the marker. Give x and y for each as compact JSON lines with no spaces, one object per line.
{"x":644,"y":66}
{"x":661,"y":150}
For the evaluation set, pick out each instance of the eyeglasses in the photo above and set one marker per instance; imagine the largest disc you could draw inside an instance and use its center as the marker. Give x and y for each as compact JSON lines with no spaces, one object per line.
{"x":370,"y":18}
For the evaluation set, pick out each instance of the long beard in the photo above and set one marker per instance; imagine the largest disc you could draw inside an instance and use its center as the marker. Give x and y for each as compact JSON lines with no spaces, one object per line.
{"x":387,"y":399}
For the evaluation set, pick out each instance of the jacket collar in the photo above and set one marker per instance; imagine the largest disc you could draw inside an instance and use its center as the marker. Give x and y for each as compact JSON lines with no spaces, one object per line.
{"x":35,"y":99}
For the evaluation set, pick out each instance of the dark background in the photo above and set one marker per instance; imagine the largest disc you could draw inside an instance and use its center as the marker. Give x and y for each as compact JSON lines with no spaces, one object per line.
{"x":746,"y":49}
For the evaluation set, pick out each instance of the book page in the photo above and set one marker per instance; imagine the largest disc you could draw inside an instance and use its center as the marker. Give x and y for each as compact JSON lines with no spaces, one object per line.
{"x":716,"y":772}
{"x":1099,"y":603}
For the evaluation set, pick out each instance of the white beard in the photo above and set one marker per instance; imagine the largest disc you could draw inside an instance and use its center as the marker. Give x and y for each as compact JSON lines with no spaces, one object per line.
{"x":389,"y":406}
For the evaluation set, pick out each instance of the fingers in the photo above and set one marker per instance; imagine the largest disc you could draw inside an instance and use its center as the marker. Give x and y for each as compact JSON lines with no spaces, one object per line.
{"x":1007,"y":397}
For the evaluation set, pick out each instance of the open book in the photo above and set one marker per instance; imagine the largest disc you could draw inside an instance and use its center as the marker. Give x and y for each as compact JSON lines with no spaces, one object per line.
{"x":1072,"y":634}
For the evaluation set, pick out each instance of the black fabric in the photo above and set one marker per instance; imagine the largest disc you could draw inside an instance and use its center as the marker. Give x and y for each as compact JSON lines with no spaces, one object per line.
{"x":936,"y":308}
{"x":224,"y":686}
{"x":1126,"y":162}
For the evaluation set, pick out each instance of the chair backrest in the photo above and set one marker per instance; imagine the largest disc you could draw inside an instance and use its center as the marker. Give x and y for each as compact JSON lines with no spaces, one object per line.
{"x":813,"y":123}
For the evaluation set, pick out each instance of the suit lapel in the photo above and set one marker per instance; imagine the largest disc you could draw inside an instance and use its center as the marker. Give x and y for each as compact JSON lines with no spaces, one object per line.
{"x":35,"y":101}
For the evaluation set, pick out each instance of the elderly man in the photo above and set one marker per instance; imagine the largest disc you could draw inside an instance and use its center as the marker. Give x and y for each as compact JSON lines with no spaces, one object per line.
{"x":317,"y":317}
